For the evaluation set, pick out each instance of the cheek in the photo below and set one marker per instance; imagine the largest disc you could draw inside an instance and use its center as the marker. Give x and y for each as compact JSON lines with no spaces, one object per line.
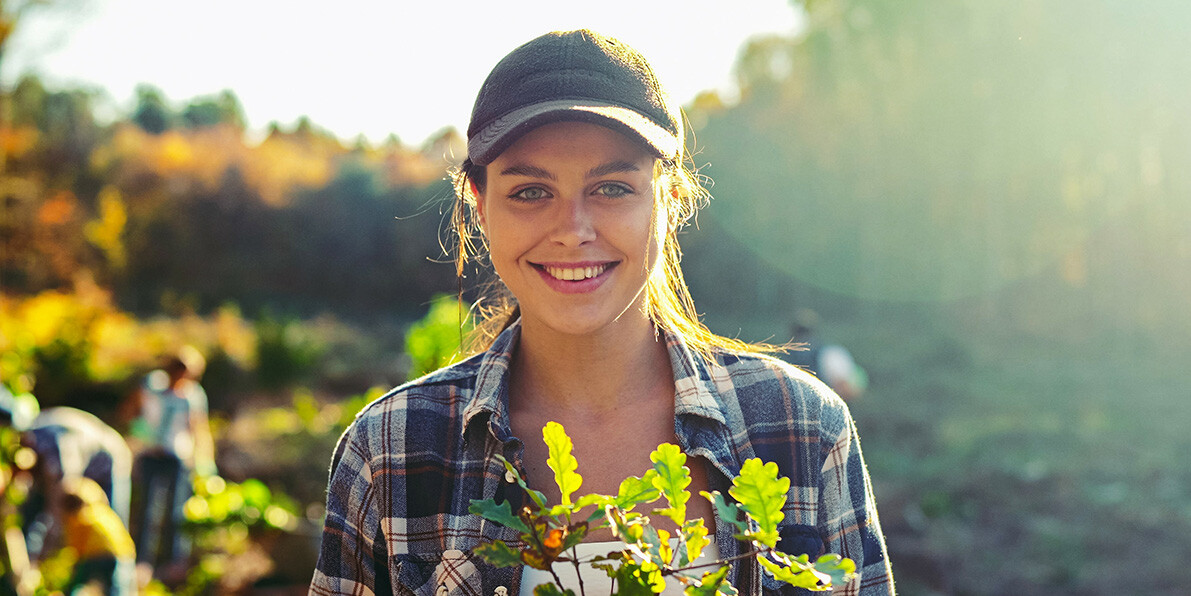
{"x":507,"y":238}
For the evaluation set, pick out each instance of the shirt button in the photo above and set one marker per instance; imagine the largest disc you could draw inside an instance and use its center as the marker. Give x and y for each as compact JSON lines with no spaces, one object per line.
{"x":501,"y":591}
{"x":510,"y":477}
{"x":442,"y":591}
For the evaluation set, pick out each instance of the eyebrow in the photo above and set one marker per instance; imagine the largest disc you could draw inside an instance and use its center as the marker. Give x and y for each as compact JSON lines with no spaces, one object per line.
{"x":612,"y":167}
{"x":527,"y":170}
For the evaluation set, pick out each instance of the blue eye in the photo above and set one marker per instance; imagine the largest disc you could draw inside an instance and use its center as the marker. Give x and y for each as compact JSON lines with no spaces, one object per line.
{"x":532,"y":193}
{"x":613,"y":191}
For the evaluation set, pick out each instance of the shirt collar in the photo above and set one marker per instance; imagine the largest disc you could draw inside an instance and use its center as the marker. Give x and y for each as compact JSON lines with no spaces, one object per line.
{"x":694,"y":391}
{"x":490,"y":395}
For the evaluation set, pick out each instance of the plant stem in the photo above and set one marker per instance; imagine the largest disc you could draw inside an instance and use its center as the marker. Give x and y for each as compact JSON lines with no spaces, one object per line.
{"x":557,"y":580}
{"x":717,"y":563}
{"x":578,"y":574}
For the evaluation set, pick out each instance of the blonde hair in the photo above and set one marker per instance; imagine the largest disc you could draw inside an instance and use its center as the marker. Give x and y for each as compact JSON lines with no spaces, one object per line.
{"x":668,"y":302}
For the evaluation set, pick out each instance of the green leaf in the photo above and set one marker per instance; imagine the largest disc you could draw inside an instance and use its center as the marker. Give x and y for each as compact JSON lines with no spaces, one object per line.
{"x":592,"y":499}
{"x":501,"y":514}
{"x":561,"y":460}
{"x":694,"y":541}
{"x":710,"y":583}
{"x":728,"y":512}
{"x":796,"y":575}
{"x":600,"y":502}
{"x":639,"y":579}
{"x":255,"y":493}
{"x":625,"y":525}
{"x":608,"y":568}
{"x":672,"y":479}
{"x":536,"y":560}
{"x":551,"y":590}
{"x":538,"y":498}
{"x":635,"y":491}
{"x":762,"y":495}
{"x":498,"y":554}
{"x":650,"y":542}
{"x":840,"y":570}
{"x":609,"y":563}
{"x":575,"y":534}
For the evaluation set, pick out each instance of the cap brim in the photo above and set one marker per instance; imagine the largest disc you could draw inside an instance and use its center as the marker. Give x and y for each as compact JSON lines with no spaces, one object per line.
{"x":493,"y":139}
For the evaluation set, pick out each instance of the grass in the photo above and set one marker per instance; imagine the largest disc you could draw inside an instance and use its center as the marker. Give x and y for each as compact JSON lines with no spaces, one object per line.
{"x":1006,"y":463}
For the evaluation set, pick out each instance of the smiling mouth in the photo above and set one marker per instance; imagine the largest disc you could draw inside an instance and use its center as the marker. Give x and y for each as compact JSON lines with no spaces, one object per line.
{"x":575,"y":273}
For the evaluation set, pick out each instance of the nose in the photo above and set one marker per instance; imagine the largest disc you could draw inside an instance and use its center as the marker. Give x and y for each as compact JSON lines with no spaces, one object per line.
{"x":573,"y":224}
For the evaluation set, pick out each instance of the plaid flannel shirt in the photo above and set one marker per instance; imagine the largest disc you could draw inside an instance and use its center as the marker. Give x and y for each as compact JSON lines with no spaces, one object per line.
{"x":405,"y":472}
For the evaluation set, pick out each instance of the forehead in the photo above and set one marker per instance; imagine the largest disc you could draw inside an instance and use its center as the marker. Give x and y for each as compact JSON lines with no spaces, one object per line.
{"x":573,"y":143}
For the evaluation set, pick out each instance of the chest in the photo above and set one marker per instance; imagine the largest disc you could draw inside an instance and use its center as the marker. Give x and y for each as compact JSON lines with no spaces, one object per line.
{"x":607,"y":452}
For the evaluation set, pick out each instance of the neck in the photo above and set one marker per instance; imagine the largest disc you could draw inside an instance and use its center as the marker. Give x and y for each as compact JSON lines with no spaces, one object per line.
{"x":595,"y":372}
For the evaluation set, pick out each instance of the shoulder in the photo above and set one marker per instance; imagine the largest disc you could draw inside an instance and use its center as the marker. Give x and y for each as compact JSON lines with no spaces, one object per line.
{"x":769,"y":388}
{"x":436,"y":398}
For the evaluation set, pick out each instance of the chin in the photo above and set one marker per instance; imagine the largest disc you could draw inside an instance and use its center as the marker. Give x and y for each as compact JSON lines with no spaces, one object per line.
{"x":578,"y":324}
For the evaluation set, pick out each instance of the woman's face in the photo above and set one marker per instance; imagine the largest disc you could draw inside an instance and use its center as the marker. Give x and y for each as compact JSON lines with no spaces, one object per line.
{"x":568,"y":212}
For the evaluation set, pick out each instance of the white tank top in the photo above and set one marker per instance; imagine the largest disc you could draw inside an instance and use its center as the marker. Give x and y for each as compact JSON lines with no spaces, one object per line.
{"x":595,"y":581}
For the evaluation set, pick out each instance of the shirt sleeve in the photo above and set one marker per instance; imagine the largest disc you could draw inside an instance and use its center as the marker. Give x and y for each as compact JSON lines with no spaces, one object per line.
{"x":353,"y":548}
{"x":849,"y":514}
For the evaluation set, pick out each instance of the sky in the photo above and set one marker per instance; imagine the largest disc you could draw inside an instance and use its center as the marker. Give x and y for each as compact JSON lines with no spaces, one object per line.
{"x":363,"y":67}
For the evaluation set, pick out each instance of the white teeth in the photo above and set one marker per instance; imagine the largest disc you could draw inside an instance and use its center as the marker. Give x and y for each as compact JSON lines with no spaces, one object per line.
{"x":575,"y":273}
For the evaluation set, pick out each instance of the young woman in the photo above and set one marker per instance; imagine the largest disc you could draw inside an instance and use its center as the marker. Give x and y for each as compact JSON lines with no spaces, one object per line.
{"x":575,"y":187}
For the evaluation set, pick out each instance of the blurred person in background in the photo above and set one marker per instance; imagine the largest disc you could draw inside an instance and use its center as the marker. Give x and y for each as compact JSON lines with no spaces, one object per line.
{"x":171,"y":435}
{"x":72,"y":445}
{"x":106,"y":560}
{"x":832,"y":363}
{"x":575,"y":189}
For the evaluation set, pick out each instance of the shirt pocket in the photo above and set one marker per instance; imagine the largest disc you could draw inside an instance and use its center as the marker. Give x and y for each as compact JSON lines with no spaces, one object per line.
{"x":796,"y":540}
{"x":450,"y":573}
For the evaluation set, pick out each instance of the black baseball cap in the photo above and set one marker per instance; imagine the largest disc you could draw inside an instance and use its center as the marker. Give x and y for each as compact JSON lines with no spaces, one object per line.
{"x":573,"y":75}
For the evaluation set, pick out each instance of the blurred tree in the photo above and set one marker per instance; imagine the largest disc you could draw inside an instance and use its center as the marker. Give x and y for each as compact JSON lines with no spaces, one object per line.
{"x":28,"y":99}
{"x":152,"y":113}
{"x":929,"y":152}
{"x":208,"y":111}
{"x":12,"y":12}
{"x":107,"y":232}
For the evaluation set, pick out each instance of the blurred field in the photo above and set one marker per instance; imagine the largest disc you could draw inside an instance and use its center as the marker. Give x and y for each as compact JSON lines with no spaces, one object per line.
{"x":1005,"y":463}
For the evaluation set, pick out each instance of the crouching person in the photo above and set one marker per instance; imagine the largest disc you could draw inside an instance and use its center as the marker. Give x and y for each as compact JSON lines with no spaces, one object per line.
{"x":106,"y":555}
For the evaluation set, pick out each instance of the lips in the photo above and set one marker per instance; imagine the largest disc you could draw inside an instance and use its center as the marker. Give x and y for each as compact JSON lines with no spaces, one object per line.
{"x":575,"y":278}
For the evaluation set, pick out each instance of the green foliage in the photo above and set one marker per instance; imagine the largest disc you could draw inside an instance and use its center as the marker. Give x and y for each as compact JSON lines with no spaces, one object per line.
{"x":204,"y":112}
{"x":562,"y":461}
{"x":152,"y":112}
{"x":762,"y":494}
{"x":286,"y":352}
{"x":224,"y":518}
{"x":436,"y":339}
{"x":672,"y":479}
{"x":648,"y":558}
{"x":501,"y":514}
{"x":498,"y":553}
{"x":218,"y":502}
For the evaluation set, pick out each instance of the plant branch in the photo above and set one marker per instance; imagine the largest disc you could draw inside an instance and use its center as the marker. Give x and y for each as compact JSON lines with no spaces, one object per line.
{"x":719,"y":562}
